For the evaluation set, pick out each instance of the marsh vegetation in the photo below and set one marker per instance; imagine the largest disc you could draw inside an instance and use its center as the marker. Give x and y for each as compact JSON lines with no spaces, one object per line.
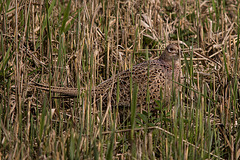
{"x":82,"y":43}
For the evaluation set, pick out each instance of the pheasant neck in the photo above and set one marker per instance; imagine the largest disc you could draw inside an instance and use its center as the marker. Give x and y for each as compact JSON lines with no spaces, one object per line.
{"x":170,"y":60}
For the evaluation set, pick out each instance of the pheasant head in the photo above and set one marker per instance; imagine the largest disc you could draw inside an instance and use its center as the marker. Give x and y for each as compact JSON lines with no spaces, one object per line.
{"x":171,"y":53}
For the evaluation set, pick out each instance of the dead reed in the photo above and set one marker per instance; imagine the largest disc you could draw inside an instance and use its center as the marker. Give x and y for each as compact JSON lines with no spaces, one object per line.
{"x":81,"y":43}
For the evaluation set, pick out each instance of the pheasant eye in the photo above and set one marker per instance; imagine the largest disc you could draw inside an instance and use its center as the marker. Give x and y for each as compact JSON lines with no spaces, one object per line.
{"x":170,"y":49}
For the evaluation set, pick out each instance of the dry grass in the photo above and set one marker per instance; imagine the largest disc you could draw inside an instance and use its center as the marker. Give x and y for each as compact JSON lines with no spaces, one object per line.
{"x":80,"y":44}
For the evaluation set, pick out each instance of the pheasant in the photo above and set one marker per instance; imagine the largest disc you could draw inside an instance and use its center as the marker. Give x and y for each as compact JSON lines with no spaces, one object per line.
{"x":153,"y":76}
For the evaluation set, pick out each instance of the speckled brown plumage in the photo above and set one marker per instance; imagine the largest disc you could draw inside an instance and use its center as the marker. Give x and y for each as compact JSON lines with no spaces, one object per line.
{"x":152,"y":75}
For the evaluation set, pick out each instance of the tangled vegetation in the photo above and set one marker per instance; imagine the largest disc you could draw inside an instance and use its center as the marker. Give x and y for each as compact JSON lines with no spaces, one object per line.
{"x":82,"y":43}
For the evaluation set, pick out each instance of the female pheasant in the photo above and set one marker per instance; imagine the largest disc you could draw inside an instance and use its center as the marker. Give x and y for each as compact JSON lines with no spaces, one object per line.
{"x":150,"y":76}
